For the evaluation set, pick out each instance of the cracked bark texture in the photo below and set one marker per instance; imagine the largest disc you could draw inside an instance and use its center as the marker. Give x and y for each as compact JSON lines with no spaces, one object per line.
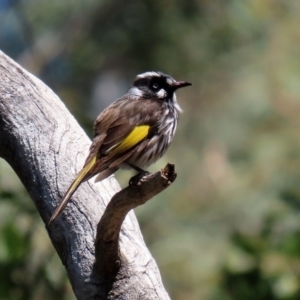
{"x":46,"y":148}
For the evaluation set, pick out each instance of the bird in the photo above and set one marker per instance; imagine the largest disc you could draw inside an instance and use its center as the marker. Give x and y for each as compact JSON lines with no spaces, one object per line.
{"x":133,"y":132}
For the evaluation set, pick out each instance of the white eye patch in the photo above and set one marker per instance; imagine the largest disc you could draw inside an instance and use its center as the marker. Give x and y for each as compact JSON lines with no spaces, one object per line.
{"x":161,"y":94}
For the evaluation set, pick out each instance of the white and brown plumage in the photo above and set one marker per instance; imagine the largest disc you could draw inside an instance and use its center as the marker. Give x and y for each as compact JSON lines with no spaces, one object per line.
{"x":134,"y":131}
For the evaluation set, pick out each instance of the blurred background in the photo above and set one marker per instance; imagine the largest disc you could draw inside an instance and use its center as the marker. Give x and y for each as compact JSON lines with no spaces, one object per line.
{"x":229,"y":227}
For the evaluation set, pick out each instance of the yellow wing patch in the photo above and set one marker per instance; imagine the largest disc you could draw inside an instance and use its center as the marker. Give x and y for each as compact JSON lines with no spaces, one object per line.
{"x":133,"y":138}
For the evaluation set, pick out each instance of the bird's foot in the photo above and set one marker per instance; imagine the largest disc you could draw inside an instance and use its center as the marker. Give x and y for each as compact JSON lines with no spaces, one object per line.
{"x":139,"y":178}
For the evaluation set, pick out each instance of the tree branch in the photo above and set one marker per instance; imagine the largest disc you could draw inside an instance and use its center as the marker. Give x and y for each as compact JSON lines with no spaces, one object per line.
{"x":140,"y":190}
{"x":46,"y":147}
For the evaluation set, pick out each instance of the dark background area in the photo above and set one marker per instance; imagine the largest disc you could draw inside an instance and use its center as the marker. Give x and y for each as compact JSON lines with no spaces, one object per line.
{"x":229,"y":227}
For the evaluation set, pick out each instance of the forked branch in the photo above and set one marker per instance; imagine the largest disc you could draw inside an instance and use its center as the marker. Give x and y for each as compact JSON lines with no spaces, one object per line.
{"x":46,"y":147}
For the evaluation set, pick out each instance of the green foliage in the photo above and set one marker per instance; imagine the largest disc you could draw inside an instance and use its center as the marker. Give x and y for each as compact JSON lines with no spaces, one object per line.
{"x":268,"y":267}
{"x":28,"y":263}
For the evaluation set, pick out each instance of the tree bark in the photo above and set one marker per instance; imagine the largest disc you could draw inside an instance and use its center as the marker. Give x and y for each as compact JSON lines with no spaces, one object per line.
{"x":46,"y":147}
{"x":141,"y":189}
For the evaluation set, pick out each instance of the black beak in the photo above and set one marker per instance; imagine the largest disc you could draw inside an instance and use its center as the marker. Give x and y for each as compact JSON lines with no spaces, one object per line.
{"x":180,"y":84}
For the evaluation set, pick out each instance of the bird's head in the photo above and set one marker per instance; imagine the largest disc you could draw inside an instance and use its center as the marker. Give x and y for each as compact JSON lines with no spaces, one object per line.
{"x":156,"y":85}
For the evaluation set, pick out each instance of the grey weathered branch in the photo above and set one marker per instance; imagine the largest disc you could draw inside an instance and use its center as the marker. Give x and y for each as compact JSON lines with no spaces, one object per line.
{"x":46,"y":147}
{"x":140,"y":190}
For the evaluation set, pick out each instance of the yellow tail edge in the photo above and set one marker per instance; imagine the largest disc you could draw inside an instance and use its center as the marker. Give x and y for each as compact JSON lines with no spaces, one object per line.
{"x":71,"y":190}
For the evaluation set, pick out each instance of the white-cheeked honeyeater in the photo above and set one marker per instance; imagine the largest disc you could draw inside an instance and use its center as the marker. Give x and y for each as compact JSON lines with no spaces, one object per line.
{"x":134,"y":131}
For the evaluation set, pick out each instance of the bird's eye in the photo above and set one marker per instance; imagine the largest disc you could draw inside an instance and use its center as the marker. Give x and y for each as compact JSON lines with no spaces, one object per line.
{"x":155,"y":85}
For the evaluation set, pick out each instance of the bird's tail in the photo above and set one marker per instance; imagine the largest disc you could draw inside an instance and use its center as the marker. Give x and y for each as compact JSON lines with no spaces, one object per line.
{"x":73,"y":187}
